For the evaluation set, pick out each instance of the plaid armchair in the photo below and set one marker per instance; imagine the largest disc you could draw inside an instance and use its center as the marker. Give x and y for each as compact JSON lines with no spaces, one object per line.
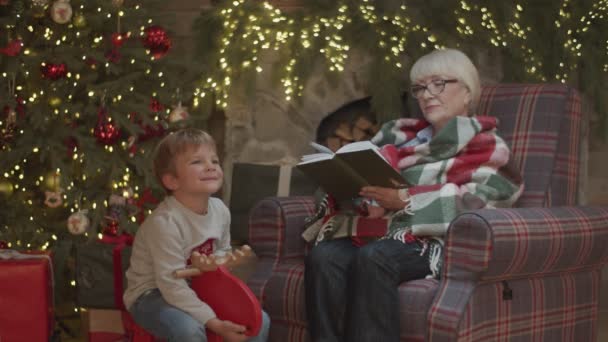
{"x":531,"y":273}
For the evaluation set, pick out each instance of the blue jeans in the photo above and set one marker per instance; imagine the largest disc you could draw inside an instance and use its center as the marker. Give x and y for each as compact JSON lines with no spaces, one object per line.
{"x":155,"y":315}
{"x":352,"y":293}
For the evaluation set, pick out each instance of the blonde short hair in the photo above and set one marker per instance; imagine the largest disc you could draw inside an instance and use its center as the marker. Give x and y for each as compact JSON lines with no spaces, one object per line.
{"x":173,"y":145}
{"x":451,"y":63}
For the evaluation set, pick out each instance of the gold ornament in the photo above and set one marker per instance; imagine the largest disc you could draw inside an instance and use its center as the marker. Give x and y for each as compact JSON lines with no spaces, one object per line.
{"x":39,"y":8}
{"x":55,"y":101}
{"x":6,"y":188}
{"x":11,"y":117}
{"x":52,"y":181}
{"x":79,"y":20}
{"x":117,"y":3}
{"x":61,"y":11}
{"x":178,"y":113}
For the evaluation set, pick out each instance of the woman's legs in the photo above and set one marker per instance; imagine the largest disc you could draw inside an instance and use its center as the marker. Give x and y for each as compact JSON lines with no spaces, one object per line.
{"x":325,"y":278}
{"x":373,"y":303}
{"x":163,"y":320}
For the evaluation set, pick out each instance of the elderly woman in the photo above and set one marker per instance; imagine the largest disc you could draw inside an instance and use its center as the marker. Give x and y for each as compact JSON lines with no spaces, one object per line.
{"x":453,"y":161}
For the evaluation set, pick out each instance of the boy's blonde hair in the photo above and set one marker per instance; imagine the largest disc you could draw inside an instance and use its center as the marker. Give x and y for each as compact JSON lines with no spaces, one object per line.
{"x":175,"y":144}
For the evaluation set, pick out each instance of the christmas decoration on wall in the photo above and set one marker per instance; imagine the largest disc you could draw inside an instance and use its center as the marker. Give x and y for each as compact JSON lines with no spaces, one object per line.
{"x":61,"y":11}
{"x":235,"y":35}
{"x":79,"y":222}
{"x":157,"y":41}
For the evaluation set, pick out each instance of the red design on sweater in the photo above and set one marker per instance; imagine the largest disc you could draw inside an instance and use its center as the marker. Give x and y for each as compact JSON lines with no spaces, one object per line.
{"x":205,"y":248}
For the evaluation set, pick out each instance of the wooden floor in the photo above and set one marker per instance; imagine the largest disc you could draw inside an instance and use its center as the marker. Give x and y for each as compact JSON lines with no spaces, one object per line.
{"x":74,"y":325}
{"x":603,"y":324}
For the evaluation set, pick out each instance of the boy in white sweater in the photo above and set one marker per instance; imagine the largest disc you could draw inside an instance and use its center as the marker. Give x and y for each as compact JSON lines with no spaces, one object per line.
{"x":188,"y":219}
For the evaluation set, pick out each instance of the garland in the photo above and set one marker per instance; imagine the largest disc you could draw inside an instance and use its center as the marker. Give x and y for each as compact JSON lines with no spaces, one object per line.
{"x":533,"y":40}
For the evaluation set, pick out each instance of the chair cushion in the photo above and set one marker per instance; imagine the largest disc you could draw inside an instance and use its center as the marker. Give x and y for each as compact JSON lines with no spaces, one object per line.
{"x":282,"y":297}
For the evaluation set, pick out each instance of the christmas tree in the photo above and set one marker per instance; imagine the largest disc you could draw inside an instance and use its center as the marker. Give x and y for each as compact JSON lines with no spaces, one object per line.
{"x":87,"y":89}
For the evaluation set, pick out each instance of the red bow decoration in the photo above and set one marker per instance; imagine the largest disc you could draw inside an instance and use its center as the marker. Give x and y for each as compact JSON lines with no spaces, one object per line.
{"x":13,"y":48}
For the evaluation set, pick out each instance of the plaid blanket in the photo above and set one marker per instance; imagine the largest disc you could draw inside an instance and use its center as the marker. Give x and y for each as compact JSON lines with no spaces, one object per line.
{"x":465,"y":166}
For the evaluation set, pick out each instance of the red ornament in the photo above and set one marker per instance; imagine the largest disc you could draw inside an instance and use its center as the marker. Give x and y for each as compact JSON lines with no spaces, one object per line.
{"x":119,"y":38}
{"x":105,"y":131}
{"x":156,"y":106}
{"x":157,"y":41}
{"x":111,"y":229}
{"x":91,"y":62}
{"x":71,"y":145}
{"x":113,"y":55}
{"x":54,"y":71}
{"x":20,"y":106}
{"x":3,"y":244}
{"x":146,"y":200}
{"x":13,"y":48}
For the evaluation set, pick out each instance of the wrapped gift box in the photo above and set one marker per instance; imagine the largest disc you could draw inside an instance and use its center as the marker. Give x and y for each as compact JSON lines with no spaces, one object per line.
{"x":252,"y":182}
{"x":100,"y":269}
{"x":26,"y":296}
{"x":103,"y":325}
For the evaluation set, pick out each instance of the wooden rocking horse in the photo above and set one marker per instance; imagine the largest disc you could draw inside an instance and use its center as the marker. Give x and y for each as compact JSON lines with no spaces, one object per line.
{"x":226,"y":294}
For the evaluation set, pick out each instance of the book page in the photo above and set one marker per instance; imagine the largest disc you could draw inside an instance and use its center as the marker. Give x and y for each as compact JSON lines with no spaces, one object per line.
{"x":357,"y":146}
{"x":360,"y":146}
{"x":321,"y":148}
{"x":315,"y":157}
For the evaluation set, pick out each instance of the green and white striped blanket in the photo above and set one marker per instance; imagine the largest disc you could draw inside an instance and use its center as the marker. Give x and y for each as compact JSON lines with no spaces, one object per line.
{"x":465,"y":166}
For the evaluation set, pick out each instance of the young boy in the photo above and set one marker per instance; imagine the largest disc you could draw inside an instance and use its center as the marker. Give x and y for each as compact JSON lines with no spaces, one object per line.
{"x":187,"y":166}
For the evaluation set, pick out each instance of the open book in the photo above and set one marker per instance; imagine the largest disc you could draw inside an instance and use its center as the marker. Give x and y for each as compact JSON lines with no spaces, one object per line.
{"x":353,"y":166}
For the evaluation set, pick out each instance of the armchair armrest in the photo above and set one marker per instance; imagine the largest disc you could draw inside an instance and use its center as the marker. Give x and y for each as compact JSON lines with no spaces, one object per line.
{"x":493,"y":245}
{"x":276,"y":225}
{"x":501,"y":244}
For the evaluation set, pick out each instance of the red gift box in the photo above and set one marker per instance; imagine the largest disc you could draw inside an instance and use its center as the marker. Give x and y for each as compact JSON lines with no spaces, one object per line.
{"x":26,"y":296}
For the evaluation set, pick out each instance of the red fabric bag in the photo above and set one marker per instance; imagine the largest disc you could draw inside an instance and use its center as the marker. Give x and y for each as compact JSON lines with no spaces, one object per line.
{"x":26,"y":296}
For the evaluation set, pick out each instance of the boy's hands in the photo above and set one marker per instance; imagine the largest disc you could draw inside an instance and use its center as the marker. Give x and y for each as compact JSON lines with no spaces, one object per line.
{"x":231,"y":332}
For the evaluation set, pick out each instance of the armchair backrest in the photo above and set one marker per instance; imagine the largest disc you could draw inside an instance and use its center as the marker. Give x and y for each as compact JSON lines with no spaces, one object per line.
{"x":543,"y":125}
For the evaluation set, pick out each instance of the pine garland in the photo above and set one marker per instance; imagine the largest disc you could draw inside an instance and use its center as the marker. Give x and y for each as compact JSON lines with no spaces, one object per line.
{"x":535,"y":40}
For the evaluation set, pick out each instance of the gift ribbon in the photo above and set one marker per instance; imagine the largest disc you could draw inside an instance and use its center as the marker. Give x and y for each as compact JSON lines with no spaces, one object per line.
{"x":120,"y":242}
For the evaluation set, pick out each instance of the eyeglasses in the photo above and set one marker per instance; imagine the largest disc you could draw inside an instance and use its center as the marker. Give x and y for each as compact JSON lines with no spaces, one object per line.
{"x":436,"y":87}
